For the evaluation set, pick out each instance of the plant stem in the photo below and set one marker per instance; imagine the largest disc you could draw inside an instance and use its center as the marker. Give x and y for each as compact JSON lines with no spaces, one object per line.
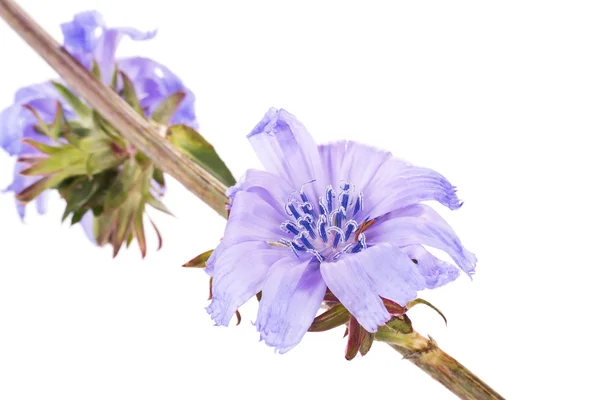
{"x":426,"y":354}
{"x":140,"y":132}
{"x":145,"y":136}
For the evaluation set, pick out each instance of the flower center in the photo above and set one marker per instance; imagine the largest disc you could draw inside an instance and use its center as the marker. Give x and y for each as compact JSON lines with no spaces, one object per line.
{"x":328,"y":232}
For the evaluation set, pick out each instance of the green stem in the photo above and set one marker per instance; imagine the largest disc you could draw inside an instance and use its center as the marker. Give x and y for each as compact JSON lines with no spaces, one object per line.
{"x":146,"y":137}
{"x":426,"y":354}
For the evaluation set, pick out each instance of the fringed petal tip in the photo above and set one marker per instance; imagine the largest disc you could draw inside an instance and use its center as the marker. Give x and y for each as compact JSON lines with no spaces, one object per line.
{"x":271,"y":340}
{"x":217,"y":311}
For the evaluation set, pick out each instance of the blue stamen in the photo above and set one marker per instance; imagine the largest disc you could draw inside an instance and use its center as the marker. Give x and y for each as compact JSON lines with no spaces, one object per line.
{"x":334,"y":220}
{"x":329,"y":194}
{"x":351,"y":227}
{"x":288,"y":226}
{"x":322,"y":206}
{"x":306,"y":221}
{"x":291,"y":210}
{"x":359,"y":203}
{"x":321,"y":225}
{"x":302,"y":238}
{"x":361,"y":245}
{"x":338,"y":235}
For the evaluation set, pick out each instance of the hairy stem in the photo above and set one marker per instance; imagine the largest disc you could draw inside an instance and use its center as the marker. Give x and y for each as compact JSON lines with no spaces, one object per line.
{"x":144,"y":135}
{"x":422,"y":352}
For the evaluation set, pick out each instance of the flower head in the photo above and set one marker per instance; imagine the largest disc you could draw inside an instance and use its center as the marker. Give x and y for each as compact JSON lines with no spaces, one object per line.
{"x":94,"y":44}
{"x":342,"y":218}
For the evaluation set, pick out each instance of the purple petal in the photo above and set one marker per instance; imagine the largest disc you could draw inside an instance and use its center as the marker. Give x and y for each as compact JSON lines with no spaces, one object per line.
{"x":81,"y":35}
{"x":286,"y":149}
{"x":271,"y":188}
{"x":19,"y":183}
{"x":435,"y":271}
{"x":396,"y":277}
{"x":106,"y":48}
{"x":348,"y":280}
{"x":153,"y":82}
{"x":87,"y":224}
{"x":44,"y":90}
{"x":421,"y":225}
{"x":398,"y":185}
{"x":252,"y":218}
{"x":291,"y":297}
{"x":239,"y":273}
{"x":352,"y":162}
{"x":11,"y":131}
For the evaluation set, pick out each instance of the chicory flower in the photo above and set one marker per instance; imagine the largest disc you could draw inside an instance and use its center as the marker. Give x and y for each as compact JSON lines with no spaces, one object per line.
{"x":341,"y":217}
{"x":89,"y":40}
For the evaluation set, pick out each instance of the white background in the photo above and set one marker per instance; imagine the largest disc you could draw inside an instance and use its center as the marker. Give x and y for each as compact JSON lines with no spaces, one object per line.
{"x":501,"y":97}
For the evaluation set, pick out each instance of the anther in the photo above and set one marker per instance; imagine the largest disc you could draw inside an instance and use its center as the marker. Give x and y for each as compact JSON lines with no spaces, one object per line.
{"x":288,"y":226}
{"x":351,"y":227}
{"x":338,"y":235}
{"x":306,"y":221}
{"x":304,"y":240}
{"x":291,"y":210}
{"x":321,"y":227}
{"x":359,"y":203}
{"x":361,"y":245}
{"x":329,"y":195}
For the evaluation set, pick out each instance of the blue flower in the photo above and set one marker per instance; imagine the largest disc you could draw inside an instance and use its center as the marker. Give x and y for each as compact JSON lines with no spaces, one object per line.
{"x":87,"y":38}
{"x":342,"y":216}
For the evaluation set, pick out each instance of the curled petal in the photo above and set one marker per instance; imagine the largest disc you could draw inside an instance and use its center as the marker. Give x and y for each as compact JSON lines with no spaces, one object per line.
{"x":435,"y":271}
{"x":352,"y":285}
{"x":82,"y":34}
{"x":291,"y":297}
{"x":398,"y":185}
{"x":285,"y":148}
{"x":421,"y":225}
{"x":239,"y":272}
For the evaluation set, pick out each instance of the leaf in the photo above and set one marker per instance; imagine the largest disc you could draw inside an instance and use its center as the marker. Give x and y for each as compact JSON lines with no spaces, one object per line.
{"x":157,"y":234}
{"x":414,"y":302}
{"x":199,"y":261}
{"x":33,"y":190}
{"x":129,"y":94}
{"x":400,"y":324}
{"x":367,"y":343}
{"x":356,"y":337}
{"x":83,"y":111}
{"x":192,"y":144}
{"x":138,"y":229}
{"x":157,"y":204}
{"x":96,"y":73}
{"x":167,"y":108}
{"x":393,"y":308}
{"x":44,"y":148}
{"x":59,"y":116}
{"x":336,"y":316}
{"x":114,"y":82}
{"x":40,"y":123}
{"x":159,"y":177}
